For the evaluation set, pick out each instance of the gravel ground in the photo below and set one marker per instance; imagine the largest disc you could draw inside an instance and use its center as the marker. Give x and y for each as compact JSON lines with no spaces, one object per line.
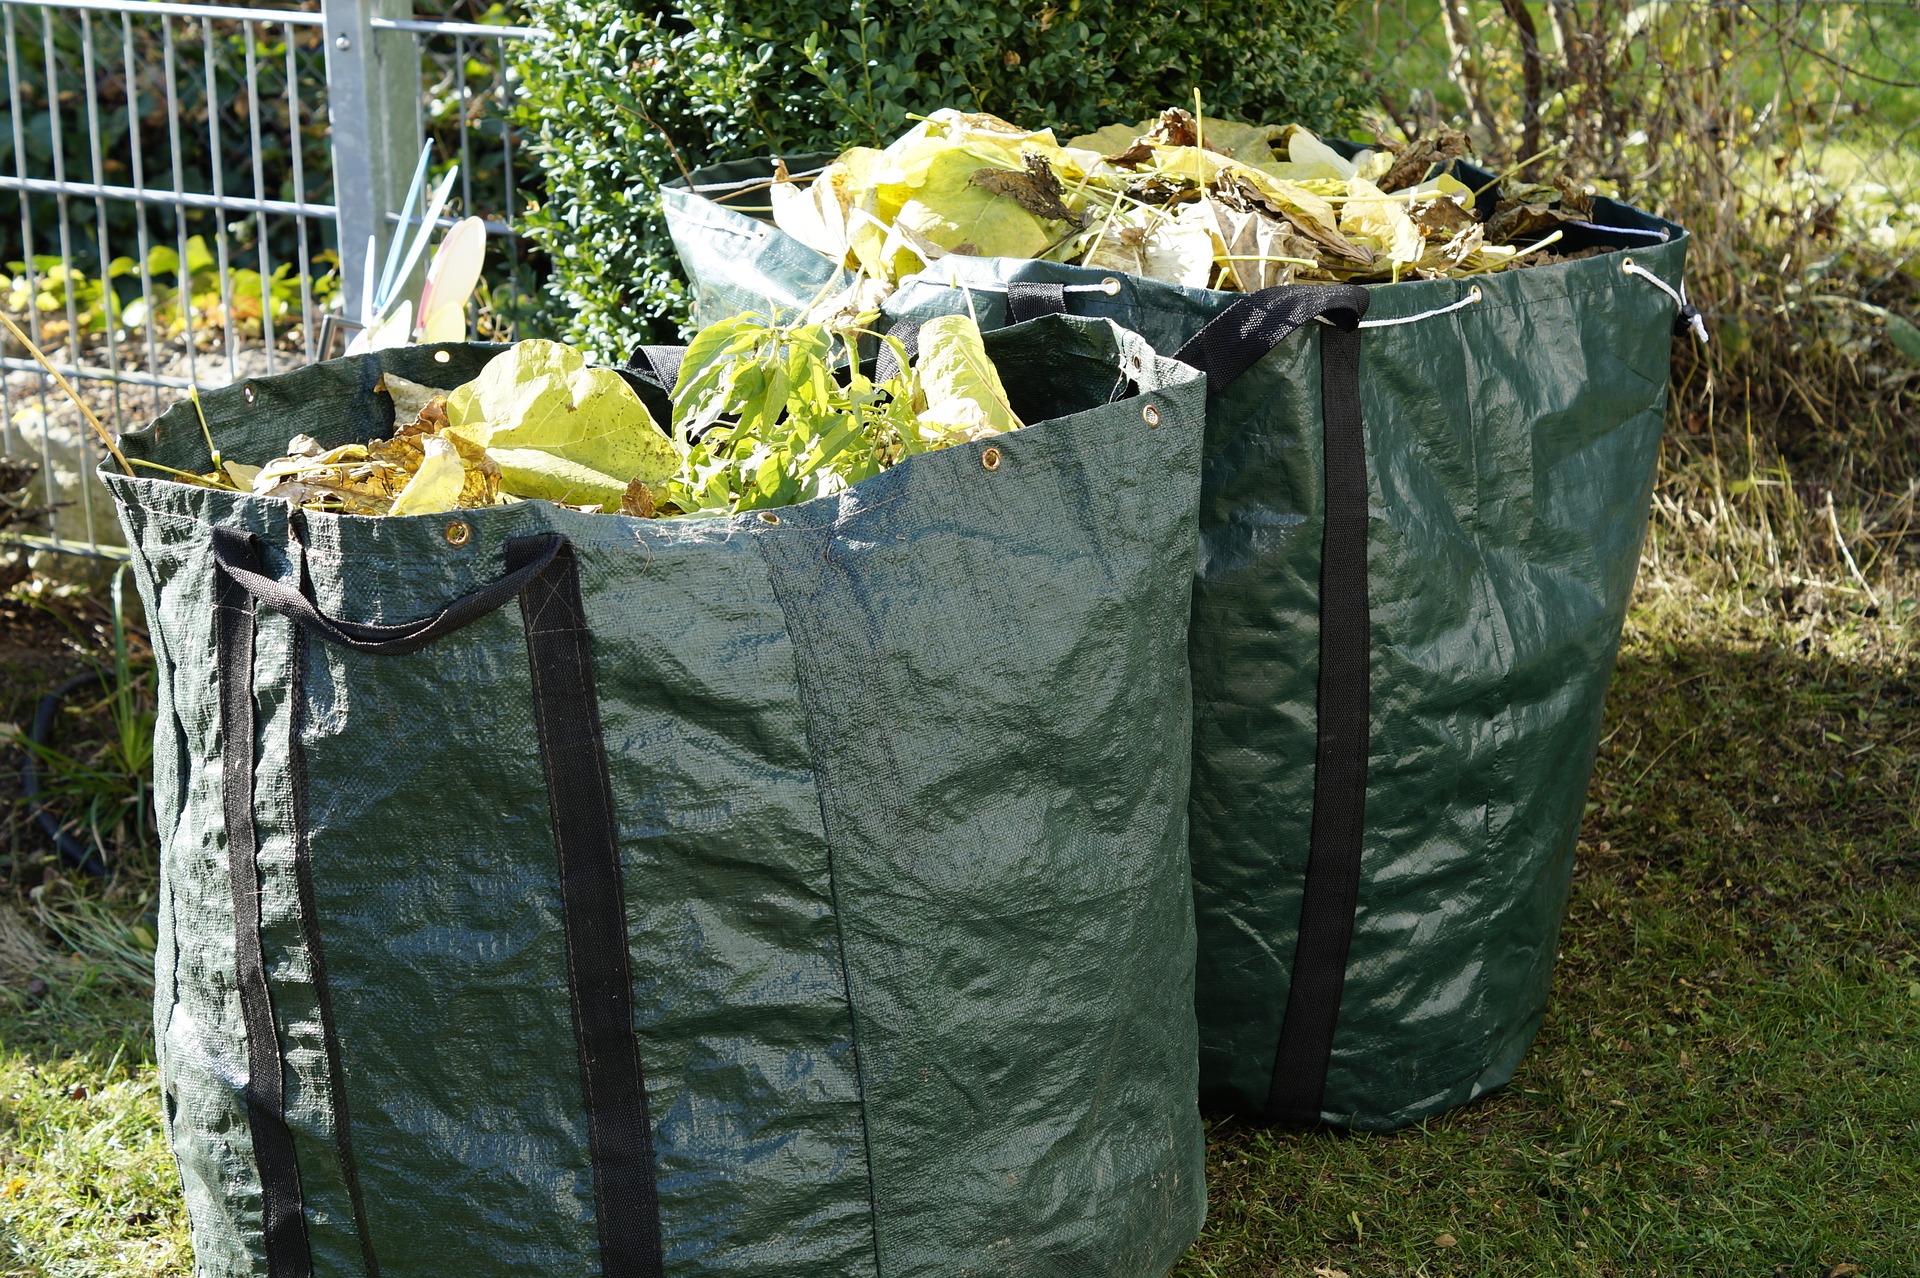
{"x":38,"y":421}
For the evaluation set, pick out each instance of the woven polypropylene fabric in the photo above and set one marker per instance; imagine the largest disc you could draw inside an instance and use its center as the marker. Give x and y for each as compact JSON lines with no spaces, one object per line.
{"x":901,"y":783}
{"x":1511,"y":448}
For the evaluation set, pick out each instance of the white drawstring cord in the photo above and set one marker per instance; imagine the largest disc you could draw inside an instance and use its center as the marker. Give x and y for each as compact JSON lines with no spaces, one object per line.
{"x":1662,"y":236}
{"x":1110,"y":285}
{"x":1688,"y":313}
{"x":1473,"y":295}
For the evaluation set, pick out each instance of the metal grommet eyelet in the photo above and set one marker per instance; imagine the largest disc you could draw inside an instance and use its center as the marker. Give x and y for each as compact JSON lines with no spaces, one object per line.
{"x":1112,"y":285}
{"x":441,"y":357}
{"x":1150,"y":415}
{"x":768,"y":517}
{"x":459,"y":533}
{"x":1626,"y":264}
{"x":249,"y":392}
{"x":990,"y":459}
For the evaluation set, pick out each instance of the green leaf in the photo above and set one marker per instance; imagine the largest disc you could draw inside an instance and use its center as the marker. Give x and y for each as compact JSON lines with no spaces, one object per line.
{"x":1247,"y":143}
{"x":707,"y":380}
{"x":960,"y":394}
{"x":1112,"y":139}
{"x":530,"y":472}
{"x":199,"y":256}
{"x":540,"y":397}
{"x":1905,"y":336}
{"x":953,"y":211}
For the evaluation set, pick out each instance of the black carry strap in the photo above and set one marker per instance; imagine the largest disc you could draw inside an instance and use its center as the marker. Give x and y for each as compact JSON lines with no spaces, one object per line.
{"x":593,"y":902}
{"x":1224,"y":349}
{"x":1029,"y":301}
{"x":283,"y":1216}
{"x":543,"y":573}
{"x":238,"y":558}
{"x":661,"y":363}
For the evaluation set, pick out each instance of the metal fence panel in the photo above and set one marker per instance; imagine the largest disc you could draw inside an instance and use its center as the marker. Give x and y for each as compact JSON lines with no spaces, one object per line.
{"x":194,"y":186}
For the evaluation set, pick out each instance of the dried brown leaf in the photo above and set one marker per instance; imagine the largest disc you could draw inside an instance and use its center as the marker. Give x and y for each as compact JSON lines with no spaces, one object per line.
{"x":1037,"y":189}
{"x":638,"y":501}
{"x":1411,"y":163}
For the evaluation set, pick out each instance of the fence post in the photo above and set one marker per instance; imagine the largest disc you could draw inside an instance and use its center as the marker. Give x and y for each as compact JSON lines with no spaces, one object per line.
{"x":373,"y":86}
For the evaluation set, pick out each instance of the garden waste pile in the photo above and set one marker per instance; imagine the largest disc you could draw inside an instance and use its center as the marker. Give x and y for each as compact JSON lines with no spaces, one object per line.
{"x":1198,"y":202}
{"x":762,"y":416}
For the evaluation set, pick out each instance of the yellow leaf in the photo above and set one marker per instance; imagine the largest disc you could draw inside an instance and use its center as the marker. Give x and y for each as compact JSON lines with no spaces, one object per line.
{"x":1312,"y":158}
{"x":1111,"y":140}
{"x":1371,"y":214}
{"x":436,"y":486}
{"x":961,"y":396}
{"x":951,"y":210}
{"x":529,"y":472}
{"x":1247,"y":143}
{"x":541,"y":397}
{"x":821,"y":214}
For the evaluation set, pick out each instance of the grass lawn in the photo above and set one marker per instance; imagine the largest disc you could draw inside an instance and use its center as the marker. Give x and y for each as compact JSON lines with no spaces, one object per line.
{"x":1728,"y":1081}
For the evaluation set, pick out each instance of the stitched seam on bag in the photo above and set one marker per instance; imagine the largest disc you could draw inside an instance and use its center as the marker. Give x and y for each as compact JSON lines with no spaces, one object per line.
{"x":316,"y":954}
{"x":833,"y":896}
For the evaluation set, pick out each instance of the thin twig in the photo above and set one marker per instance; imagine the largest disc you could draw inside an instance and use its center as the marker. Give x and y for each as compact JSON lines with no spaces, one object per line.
{"x":73,"y":395}
{"x":1833,"y":522}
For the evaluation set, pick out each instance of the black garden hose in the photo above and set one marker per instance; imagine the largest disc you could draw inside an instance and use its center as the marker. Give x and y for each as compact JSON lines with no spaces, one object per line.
{"x":70,"y":849}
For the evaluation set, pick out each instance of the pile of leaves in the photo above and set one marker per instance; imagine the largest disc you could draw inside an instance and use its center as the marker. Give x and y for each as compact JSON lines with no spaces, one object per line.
{"x":1199,"y":202}
{"x":762,"y":415}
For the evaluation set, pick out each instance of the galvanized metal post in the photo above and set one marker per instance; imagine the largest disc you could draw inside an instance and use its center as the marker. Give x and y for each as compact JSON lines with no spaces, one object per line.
{"x":373,"y":80}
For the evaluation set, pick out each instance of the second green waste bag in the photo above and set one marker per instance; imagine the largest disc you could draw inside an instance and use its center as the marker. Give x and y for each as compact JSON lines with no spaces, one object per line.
{"x":797,"y":892}
{"x":1411,"y":586}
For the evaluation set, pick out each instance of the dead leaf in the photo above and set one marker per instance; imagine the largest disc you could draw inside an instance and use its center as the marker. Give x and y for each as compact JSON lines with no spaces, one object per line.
{"x":1533,"y":208}
{"x":1037,"y":189}
{"x":409,"y":398}
{"x":1410,"y":165}
{"x":1445,"y":1240}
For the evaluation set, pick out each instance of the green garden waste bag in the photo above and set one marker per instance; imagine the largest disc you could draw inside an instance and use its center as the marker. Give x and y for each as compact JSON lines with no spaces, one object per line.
{"x":1420,"y":522}
{"x":796,"y":893}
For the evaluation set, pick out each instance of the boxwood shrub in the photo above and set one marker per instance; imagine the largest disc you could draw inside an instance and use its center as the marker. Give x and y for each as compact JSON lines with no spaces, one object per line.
{"x":625,"y":95}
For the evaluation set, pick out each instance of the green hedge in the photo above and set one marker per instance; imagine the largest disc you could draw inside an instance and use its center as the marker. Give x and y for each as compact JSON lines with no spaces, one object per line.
{"x":624,"y":94}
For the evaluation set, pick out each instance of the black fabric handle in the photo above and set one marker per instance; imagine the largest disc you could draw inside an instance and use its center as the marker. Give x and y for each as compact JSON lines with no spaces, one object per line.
{"x":593,"y":900}
{"x":237,"y":552}
{"x":1243,"y":334}
{"x":1331,"y":893}
{"x":1226,"y":348}
{"x":543,"y":572}
{"x":660,"y":363}
{"x":283,"y":1224}
{"x":1027,"y":300}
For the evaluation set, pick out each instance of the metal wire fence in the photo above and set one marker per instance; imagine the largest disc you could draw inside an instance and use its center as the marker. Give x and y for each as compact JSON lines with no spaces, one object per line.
{"x":187,"y":190}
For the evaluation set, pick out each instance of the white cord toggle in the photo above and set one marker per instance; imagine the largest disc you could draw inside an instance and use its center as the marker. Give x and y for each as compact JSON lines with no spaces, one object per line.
{"x":1688,"y":313}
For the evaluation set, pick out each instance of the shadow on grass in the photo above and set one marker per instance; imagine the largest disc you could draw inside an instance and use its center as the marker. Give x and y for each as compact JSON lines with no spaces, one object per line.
{"x":1728,"y":1080}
